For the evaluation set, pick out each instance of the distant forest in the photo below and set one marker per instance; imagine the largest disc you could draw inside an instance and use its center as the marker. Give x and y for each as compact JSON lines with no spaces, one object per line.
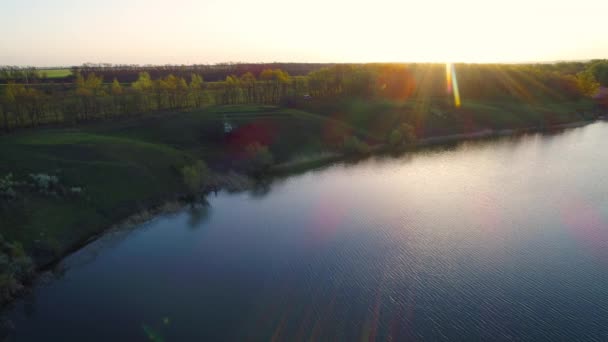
{"x":130,"y":73}
{"x":31,"y":97}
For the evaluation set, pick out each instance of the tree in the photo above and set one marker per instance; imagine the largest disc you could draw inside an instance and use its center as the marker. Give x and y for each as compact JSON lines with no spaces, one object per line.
{"x":35,"y":101}
{"x":16,"y":269}
{"x":353,"y":146}
{"x":196,"y":90}
{"x":195,"y":176}
{"x":160,"y":89}
{"x":276,"y":82}
{"x":4,"y":113}
{"x":169,"y":88}
{"x":587,"y":83}
{"x":395,"y":82}
{"x":143,"y":83}
{"x":231,"y":89}
{"x":12,"y":96}
{"x":26,"y":101}
{"x":182,"y":93}
{"x":117,"y":92}
{"x":248,"y":82}
{"x":143,"y":86}
{"x":258,"y":157}
{"x":116,"y":88}
{"x":172,"y":88}
{"x":359,"y":82}
{"x":401,"y":136}
{"x":599,"y":69}
{"x":88,"y":89}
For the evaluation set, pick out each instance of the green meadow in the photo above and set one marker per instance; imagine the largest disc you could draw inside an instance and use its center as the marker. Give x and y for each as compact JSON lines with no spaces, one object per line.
{"x":130,"y":165}
{"x":55,"y":73}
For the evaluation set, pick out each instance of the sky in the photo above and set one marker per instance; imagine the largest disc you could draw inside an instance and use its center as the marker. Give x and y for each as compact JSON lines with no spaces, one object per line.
{"x":73,"y":32}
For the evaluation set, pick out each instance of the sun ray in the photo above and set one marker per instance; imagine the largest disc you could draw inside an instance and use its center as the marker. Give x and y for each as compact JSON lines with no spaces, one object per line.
{"x":513,"y":86}
{"x":452,"y":83}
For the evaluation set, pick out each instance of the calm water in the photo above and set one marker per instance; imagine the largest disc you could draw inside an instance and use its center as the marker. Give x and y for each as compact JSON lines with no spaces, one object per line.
{"x":503,"y":239}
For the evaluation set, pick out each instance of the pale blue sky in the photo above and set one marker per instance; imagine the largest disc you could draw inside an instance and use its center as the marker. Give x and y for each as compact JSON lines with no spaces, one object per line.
{"x":71,"y":32}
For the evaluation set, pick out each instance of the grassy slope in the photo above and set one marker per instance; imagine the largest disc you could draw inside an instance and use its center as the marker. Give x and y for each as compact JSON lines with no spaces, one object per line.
{"x":126,"y":165}
{"x":433,"y":117}
{"x":129,"y":164}
{"x":116,"y":173}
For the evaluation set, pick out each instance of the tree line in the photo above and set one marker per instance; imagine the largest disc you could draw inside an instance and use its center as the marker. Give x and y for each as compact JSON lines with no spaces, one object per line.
{"x":130,"y":73}
{"x":90,"y":98}
{"x":94,"y":96}
{"x":475,"y":81}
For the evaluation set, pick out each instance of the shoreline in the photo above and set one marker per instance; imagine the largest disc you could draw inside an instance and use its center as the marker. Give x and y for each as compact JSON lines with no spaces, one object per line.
{"x":328,"y":158}
{"x":488,"y":133}
{"x":234,"y":182}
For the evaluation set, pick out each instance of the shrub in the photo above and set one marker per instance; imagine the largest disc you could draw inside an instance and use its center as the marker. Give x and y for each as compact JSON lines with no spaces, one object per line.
{"x":258,"y":157}
{"x":7,"y":187}
{"x":44,"y":182}
{"x":16,"y":268}
{"x":195,"y":176}
{"x":352,"y":145}
{"x":401,"y":136}
{"x":409,"y":134}
{"x":395,"y":138}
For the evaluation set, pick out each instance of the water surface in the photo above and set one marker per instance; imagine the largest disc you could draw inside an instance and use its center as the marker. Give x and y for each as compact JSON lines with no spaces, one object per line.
{"x":504,"y":239}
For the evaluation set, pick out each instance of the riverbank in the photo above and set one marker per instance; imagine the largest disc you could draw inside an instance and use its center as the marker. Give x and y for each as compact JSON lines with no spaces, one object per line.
{"x":322,"y":159}
{"x":127,"y":171}
{"x":11,"y":289}
{"x":439,"y":220}
{"x":489,"y":133}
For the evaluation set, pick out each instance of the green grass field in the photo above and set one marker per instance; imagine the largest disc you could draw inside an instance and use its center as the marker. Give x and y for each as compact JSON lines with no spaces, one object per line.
{"x":438,"y":116}
{"x":112,"y":171}
{"x":56,"y":73}
{"x":130,"y":164}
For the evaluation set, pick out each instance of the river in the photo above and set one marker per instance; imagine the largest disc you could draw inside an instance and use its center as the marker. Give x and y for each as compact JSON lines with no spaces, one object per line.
{"x":501,"y":239}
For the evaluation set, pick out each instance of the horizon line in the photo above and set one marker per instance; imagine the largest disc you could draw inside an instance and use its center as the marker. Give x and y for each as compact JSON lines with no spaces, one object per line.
{"x":25,"y":66}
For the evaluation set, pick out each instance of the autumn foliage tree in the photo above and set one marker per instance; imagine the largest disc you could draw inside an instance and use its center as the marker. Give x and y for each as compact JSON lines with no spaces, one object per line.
{"x":587,"y":83}
{"x":143,"y":88}
{"x":275,"y":84}
{"x":117,"y":95}
{"x":89,"y":89}
{"x":26,"y":102}
{"x":196,"y":89}
{"x":83,"y":96}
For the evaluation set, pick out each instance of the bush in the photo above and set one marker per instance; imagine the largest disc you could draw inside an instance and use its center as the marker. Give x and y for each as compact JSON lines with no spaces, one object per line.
{"x":258,"y":157}
{"x":195,"y":176}
{"x":41,"y":183}
{"x":16,"y":268}
{"x":7,"y":187}
{"x":44,"y":182}
{"x":352,"y":145}
{"x":401,"y":136}
{"x":409,"y":134}
{"x":395,"y":138}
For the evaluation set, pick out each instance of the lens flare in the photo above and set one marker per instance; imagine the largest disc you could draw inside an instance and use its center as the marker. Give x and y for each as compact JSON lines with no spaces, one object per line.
{"x":448,"y":78}
{"x":452,"y":83}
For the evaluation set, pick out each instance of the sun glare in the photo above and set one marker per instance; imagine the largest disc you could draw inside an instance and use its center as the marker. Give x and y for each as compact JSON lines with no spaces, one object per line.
{"x":452,"y":83}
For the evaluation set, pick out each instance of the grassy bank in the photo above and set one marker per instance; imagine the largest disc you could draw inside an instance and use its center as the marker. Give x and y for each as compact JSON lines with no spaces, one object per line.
{"x":438,"y":116}
{"x":126,"y":166}
{"x":101,"y":173}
